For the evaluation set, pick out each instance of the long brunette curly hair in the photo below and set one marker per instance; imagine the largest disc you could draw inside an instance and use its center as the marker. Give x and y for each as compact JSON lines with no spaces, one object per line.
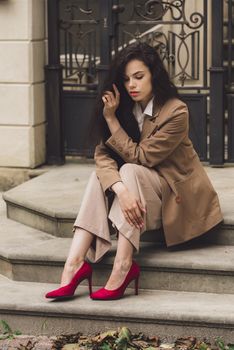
{"x":163,"y":89}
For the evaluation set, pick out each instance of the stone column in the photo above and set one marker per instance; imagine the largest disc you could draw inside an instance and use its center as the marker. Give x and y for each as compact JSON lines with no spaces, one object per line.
{"x":22,"y":100}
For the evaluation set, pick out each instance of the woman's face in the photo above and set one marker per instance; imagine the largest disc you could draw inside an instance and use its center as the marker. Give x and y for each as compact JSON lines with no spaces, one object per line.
{"x":138,"y":82}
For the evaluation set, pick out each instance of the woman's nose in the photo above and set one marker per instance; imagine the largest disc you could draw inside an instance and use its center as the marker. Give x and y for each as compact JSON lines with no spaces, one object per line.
{"x":132,"y":83}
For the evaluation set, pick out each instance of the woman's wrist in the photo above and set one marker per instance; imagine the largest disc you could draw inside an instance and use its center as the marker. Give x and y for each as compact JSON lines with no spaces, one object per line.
{"x":118,"y":187}
{"x":109,"y":117}
{"x":113,"y":124}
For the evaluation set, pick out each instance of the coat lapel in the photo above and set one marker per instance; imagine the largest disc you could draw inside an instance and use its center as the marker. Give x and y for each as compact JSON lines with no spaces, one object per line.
{"x":150,"y":123}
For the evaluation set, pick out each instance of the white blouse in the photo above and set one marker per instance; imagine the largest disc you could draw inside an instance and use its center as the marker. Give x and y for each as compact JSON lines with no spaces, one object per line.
{"x":140,"y":115}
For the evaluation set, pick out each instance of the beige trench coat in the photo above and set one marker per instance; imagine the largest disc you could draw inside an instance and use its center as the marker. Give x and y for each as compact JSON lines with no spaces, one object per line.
{"x":190,"y":205}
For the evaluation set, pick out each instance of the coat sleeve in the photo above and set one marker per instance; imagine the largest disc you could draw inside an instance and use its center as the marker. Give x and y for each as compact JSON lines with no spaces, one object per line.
{"x":158,"y":146}
{"x":106,"y":167}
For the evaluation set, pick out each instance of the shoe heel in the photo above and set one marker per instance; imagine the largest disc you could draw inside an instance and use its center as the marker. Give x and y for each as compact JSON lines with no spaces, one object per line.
{"x":90,"y":284}
{"x":136,"y":285}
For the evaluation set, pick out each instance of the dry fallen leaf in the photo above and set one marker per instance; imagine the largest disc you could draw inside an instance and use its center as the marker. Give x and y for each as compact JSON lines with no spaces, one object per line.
{"x":101,"y":337}
{"x":155,"y":341}
{"x":185,"y":343}
{"x":72,"y":347}
{"x":140,"y":343}
{"x":165,"y":346}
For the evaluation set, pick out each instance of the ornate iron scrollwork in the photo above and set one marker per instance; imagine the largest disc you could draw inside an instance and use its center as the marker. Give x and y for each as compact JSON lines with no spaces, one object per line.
{"x":154,"y":10}
{"x":78,"y":53}
{"x":169,"y":25}
{"x":173,"y":30}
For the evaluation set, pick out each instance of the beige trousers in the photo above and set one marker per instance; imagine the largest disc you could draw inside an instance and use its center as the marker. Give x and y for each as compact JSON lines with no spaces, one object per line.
{"x":96,"y":216}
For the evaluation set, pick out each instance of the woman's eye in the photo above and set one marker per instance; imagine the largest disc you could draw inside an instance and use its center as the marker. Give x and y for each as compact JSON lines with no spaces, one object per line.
{"x":138,"y":77}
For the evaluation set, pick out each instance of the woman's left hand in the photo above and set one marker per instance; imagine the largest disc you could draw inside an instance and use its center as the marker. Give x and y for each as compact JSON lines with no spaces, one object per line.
{"x":111,"y":103}
{"x":132,"y":208}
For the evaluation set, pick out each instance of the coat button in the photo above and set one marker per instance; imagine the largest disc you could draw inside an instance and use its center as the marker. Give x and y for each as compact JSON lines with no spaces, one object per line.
{"x":178,"y":199}
{"x":120,"y":149}
{"x":113,"y":142}
{"x":127,"y":154}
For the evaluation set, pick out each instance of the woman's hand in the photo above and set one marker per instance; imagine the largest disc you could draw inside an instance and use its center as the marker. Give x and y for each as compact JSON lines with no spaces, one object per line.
{"x":111,"y":103}
{"x":131,"y":207}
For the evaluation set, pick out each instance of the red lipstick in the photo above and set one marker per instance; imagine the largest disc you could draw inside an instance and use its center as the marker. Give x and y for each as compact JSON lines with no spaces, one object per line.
{"x":134,"y":93}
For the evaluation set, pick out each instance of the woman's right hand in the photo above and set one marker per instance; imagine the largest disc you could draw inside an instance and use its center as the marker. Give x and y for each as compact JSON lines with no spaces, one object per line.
{"x":131,"y":207}
{"x":111,"y":103}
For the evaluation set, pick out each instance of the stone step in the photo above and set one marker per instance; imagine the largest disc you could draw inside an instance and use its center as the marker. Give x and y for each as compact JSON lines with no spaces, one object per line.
{"x":51,"y":201}
{"x":167,"y":314}
{"x":31,"y":255}
{"x":27,"y":254}
{"x":207,"y":268}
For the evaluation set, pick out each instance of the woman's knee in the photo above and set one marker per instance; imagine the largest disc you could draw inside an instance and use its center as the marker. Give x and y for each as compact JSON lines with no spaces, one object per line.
{"x":94,"y":176}
{"x":128,"y":170}
{"x":93,"y":179}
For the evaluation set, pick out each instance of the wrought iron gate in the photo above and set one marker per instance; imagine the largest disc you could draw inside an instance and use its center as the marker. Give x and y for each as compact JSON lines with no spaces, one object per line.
{"x":83,"y":37}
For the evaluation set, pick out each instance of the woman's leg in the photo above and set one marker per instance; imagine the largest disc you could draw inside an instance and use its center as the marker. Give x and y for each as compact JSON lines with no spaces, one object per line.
{"x":80,"y":245}
{"x":91,"y":224}
{"x":122,"y":263}
{"x":93,"y":218}
{"x":145,"y":184}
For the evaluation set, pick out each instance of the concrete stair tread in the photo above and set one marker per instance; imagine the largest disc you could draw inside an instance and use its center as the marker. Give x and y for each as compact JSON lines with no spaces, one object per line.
{"x":51,"y":251}
{"x":58,"y":193}
{"x":16,"y":237}
{"x":47,"y":249}
{"x":23,"y":243}
{"x":27,"y":254}
{"x":26,"y":297}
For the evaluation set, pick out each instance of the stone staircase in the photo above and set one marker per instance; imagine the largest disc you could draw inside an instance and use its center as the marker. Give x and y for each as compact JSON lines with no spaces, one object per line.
{"x":188,"y":290}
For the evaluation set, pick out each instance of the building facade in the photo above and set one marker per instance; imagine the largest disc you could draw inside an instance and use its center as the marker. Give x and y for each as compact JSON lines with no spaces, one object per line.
{"x":22,"y":83}
{"x":45,"y":122}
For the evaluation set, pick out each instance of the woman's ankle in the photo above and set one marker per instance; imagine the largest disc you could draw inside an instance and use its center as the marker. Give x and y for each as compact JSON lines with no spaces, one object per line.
{"x":122,"y":264}
{"x":69,"y":271}
{"x":74,"y":264}
{"x":118,"y":274}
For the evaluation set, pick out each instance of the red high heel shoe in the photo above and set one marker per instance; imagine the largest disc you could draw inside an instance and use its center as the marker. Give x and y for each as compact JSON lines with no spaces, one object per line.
{"x":85,"y":272}
{"x":105,"y":294}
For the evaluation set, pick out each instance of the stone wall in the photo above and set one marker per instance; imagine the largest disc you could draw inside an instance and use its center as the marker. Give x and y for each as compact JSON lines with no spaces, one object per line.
{"x":22,"y":100}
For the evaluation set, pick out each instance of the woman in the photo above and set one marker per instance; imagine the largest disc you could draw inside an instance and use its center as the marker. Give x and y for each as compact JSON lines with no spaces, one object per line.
{"x":146,"y":170}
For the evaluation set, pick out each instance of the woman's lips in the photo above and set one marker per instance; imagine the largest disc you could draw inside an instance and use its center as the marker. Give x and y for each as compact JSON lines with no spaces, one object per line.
{"x":134,"y":93}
